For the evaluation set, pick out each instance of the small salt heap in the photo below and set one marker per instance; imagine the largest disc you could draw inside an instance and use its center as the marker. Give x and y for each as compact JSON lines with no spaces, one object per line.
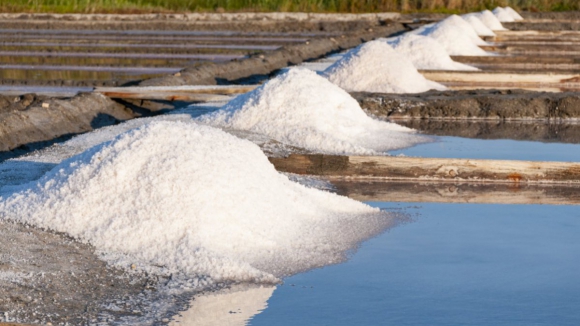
{"x":425,"y":53}
{"x":489,"y":20}
{"x":375,"y":67}
{"x":197,"y":201}
{"x":502,"y":15}
{"x":303,"y":109}
{"x":477,"y":25}
{"x":515,"y":15}
{"x":457,"y":36}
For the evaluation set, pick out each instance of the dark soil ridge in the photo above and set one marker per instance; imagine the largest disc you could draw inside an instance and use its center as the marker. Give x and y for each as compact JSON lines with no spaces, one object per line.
{"x":476,"y":104}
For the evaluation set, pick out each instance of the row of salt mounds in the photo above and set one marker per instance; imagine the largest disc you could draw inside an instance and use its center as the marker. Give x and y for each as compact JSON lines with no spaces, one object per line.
{"x":515,"y":15}
{"x":502,"y":15}
{"x":196,"y":200}
{"x":457,"y":36}
{"x":303,"y":109}
{"x":425,"y":53}
{"x":478,"y":25}
{"x":488,"y":19}
{"x":376,"y":67}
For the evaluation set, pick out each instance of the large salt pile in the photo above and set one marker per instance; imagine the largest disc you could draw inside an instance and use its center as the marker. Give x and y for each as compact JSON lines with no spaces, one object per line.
{"x":425,"y":53}
{"x":376,"y":67}
{"x":489,"y":20}
{"x":303,"y":109}
{"x":198,"y":202}
{"x":502,"y":15}
{"x":477,"y":25}
{"x":457,"y":36}
{"x":515,"y":15}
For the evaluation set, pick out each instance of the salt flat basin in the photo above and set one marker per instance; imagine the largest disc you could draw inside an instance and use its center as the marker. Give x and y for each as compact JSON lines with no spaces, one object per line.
{"x":455,"y":264}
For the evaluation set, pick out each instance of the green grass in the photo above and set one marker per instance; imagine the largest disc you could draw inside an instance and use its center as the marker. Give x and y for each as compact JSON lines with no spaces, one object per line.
{"x":350,"y":6}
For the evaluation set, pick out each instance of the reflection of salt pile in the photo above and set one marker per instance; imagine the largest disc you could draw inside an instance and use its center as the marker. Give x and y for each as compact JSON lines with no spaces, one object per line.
{"x":195,"y":200}
{"x":425,"y":53}
{"x":456,"y":35}
{"x":376,"y":67}
{"x":477,"y":25}
{"x":515,"y":15}
{"x":303,"y":109}
{"x":489,"y":20}
{"x":502,"y":15}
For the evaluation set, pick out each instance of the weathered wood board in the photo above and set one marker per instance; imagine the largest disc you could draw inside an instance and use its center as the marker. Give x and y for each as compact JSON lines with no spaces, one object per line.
{"x":430,"y":169}
{"x":491,"y":77}
{"x":175,"y":93}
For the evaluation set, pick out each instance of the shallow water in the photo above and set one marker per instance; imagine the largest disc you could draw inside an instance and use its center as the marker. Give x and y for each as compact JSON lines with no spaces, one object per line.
{"x":456,"y":264}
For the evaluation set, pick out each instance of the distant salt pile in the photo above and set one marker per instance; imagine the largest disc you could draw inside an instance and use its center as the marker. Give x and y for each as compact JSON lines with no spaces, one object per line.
{"x":303,"y":109}
{"x":502,"y":15}
{"x":457,"y":36}
{"x":515,"y":15}
{"x":489,"y":20}
{"x":198,"y":202}
{"x":477,"y":25}
{"x":425,"y":53}
{"x":375,"y":67}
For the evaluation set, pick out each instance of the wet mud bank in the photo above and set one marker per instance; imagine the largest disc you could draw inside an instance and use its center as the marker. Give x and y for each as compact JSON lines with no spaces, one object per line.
{"x":477,"y":104}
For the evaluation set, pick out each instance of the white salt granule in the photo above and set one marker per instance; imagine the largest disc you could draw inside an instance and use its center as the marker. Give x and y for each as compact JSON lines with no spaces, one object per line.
{"x":198,"y":202}
{"x":502,"y":15}
{"x":489,"y":20}
{"x":425,"y":53}
{"x":375,"y":67}
{"x":457,"y":36}
{"x":303,"y":109}
{"x":477,"y":25}
{"x":515,"y":15}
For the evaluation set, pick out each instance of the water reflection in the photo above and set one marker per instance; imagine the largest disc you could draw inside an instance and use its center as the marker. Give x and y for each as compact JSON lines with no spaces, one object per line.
{"x":233,"y":306}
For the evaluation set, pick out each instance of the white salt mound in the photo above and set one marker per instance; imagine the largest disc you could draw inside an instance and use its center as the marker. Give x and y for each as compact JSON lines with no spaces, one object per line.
{"x":197,"y":201}
{"x":375,"y":67}
{"x":477,"y":25}
{"x":515,"y":15}
{"x":489,"y":20}
{"x":457,"y":36}
{"x":502,"y":15}
{"x":425,"y":53}
{"x":303,"y":109}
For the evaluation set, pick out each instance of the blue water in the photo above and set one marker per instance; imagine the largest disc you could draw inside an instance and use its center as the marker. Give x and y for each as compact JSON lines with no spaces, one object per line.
{"x":456,"y":264}
{"x":499,"y":149}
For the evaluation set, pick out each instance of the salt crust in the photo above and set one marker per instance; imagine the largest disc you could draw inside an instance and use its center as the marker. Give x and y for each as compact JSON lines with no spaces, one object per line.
{"x":456,"y":35}
{"x":303,"y":109}
{"x":477,"y":25}
{"x":515,"y":15}
{"x":425,"y":53}
{"x":502,"y":15}
{"x":196,"y":201}
{"x":489,"y":20}
{"x":375,"y":67}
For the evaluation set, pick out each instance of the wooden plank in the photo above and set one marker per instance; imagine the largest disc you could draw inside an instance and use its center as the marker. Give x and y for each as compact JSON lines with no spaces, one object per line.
{"x":483,"y":193}
{"x":490,"y":77}
{"x":430,"y":169}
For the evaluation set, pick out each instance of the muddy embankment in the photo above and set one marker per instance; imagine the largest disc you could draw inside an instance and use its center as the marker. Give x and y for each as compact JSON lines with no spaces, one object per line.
{"x":43,"y":120}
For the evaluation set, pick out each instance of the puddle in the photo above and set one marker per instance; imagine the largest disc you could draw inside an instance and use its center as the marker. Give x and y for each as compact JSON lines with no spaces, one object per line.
{"x":456,"y":264}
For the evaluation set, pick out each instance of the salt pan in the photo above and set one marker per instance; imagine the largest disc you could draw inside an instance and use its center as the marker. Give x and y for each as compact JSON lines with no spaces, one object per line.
{"x":425,"y":53}
{"x":197,"y":201}
{"x":457,"y":36}
{"x":502,"y":15}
